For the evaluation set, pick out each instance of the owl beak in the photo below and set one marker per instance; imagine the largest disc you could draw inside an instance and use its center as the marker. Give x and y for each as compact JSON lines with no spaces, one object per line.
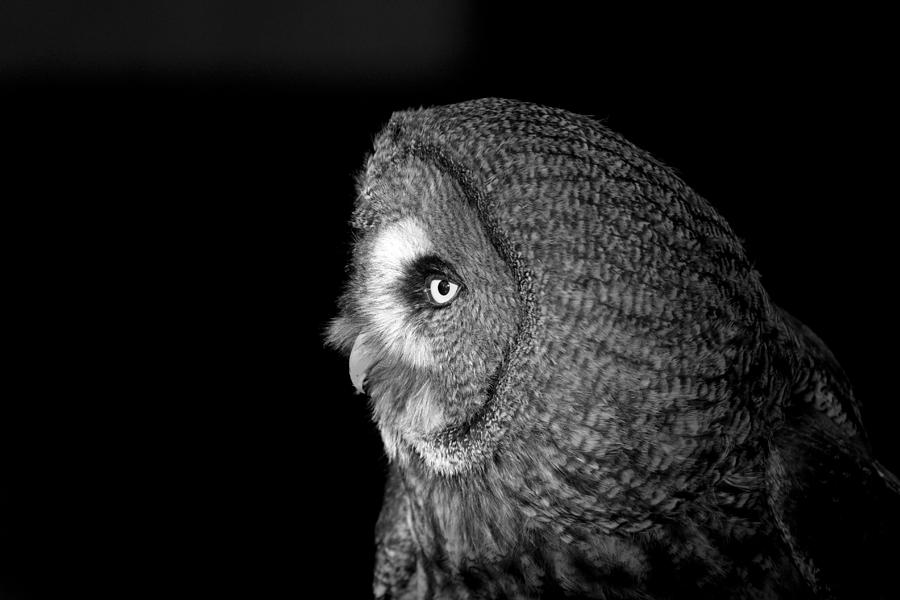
{"x":361,"y":358}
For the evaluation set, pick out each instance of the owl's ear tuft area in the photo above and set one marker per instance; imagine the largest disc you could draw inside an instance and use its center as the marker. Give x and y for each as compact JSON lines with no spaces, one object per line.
{"x":340,"y":334}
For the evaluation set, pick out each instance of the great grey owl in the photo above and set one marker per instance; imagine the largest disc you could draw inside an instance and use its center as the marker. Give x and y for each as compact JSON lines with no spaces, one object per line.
{"x":582,"y":387}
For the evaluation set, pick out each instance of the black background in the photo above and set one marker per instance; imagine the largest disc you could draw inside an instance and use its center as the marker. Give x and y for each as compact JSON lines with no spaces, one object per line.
{"x":176,"y":184}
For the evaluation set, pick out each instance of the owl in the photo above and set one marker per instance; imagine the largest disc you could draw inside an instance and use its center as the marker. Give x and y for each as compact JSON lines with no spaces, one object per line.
{"x":582,"y":387}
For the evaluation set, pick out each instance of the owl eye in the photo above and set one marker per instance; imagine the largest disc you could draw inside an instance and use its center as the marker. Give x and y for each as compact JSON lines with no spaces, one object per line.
{"x":441,"y":290}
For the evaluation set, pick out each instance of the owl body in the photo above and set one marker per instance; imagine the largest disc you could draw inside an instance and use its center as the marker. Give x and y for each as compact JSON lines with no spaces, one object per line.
{"x":581,"y":384}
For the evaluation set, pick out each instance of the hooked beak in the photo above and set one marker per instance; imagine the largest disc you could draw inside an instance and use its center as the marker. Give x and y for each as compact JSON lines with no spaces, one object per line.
{"x":361,"y":359}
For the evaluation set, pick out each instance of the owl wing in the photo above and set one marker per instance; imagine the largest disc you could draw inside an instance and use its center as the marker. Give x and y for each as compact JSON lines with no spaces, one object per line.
{"x":396,"y":554}
{"x":837,"y":508}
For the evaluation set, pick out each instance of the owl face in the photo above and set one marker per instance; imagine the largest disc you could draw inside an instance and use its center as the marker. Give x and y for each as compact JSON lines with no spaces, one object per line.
{"x":524,"y":278}
{"x":429,"y":310}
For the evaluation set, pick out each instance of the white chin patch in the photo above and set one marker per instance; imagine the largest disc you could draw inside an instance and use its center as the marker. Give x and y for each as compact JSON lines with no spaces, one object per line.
{"x":395,"y":247}
{"x":423,"y":416}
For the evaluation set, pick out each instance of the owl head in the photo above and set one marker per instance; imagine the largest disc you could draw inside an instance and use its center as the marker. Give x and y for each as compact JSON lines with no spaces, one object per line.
{"x":523,"y":277}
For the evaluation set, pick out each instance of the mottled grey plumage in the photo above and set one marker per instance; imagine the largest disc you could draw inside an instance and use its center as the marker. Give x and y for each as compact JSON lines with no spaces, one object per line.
{"x":611,"y":407}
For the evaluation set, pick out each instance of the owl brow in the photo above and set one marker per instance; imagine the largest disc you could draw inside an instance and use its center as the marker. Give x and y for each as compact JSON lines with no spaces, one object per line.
{"x":432,"y":264}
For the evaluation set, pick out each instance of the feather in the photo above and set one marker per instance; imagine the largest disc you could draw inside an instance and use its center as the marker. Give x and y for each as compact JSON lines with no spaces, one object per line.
{"x":612,"y":407}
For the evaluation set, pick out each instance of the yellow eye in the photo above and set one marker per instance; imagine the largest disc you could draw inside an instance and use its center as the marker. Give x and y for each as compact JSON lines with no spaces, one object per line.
{"x":442,"y":290}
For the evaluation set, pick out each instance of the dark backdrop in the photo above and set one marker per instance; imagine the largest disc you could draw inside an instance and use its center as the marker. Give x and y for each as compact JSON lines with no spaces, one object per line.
{"x":176,"y":183}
